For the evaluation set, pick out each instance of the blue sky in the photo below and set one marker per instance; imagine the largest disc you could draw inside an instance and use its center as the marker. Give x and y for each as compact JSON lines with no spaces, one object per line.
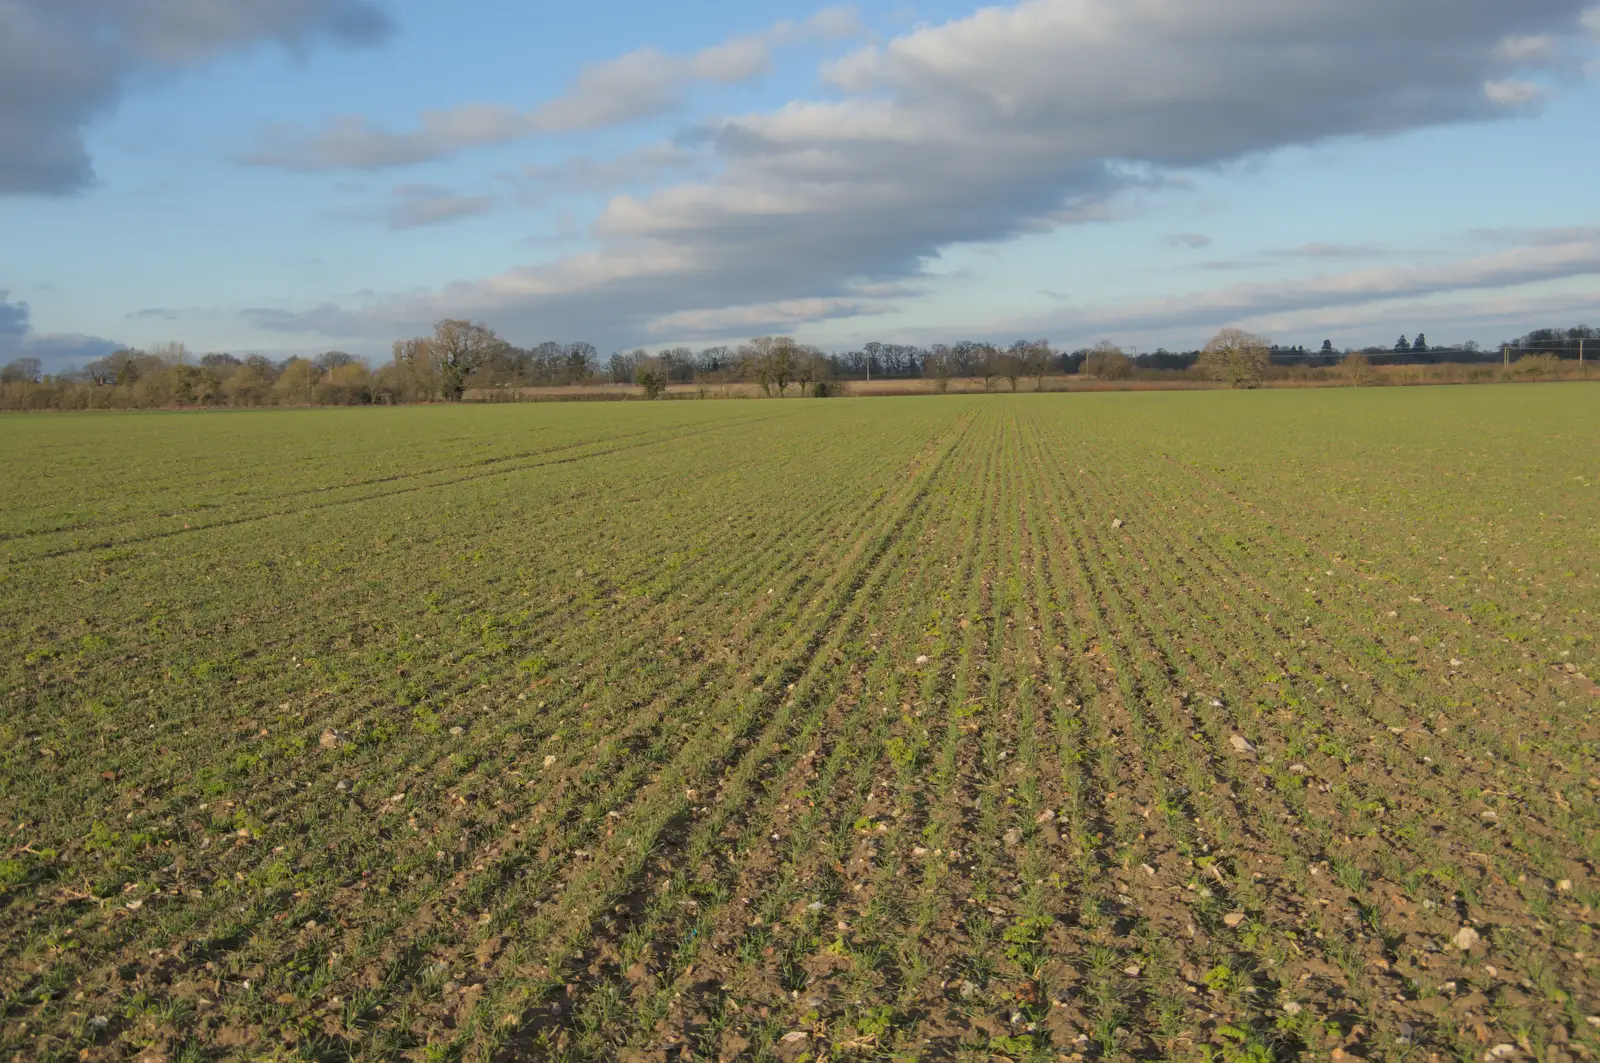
{"x":298,"y":175}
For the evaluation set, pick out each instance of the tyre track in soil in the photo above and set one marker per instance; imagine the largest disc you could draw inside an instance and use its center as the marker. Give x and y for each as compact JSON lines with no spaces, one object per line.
{"x":404,"y":756}
{"x":820,"y":872}
{"x":359,"y":707}
{"x":256,"y":518}
{"x":659,"y":919}
{"x":775,"y":653}
{"x":280,"y":496}
{"x":792,"y":782}
{"x":667,"y":434}
{"x":940,"y":902}
{"x":761,"y":736}
{"x":921,"y":794}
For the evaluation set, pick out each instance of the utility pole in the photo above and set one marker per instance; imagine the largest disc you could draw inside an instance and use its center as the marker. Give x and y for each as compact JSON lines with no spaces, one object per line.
{"x":1505,"y":352}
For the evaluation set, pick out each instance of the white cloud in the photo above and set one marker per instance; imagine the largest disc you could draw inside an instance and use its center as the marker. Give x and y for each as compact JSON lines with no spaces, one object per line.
{"x":1512,"y":93}
{"x":65,"y":62}
{"x":1011,"y":120}
{"x":639,"y":85}
{"x":1192,"y":241}
{"x":1534,"y":49}
{"x":1590,"y":20}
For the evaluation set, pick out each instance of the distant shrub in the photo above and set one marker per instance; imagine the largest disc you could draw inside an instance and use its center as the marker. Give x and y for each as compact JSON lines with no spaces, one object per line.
{"x":652,"y":380}
{"x":1536,"y":365}
{"x":1357,"y":368}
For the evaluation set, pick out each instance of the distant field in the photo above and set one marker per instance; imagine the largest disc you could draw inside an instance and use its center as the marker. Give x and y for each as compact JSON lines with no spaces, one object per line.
{"x":1233,"y":726}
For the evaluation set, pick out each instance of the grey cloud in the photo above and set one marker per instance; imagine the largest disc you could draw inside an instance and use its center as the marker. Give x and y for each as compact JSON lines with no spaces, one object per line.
{"x":768,"y":317}
{"x":1538,"y":260}
{"x":639,"y":85}
{"x":13,"y":316}
{"x":1544,"y":237}
{"x":420,"y":205}
{"x":536,"y":181}
{"x":414,"y":206}
{"x":57,"y":351}
{"x":64,"y":63}
{"x":1010,"y":120}
{"x":1331,"y":251}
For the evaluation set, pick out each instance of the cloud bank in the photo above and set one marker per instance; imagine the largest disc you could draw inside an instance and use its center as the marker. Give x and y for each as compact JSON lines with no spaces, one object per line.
{"x":1015,"y":119}
{"x":630,"y":88}
{"x":57,"y":351}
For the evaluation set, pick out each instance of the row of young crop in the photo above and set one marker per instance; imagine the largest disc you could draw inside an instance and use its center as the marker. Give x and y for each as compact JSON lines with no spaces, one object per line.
{"x":709,"y":797}
{"x":378,"y":752}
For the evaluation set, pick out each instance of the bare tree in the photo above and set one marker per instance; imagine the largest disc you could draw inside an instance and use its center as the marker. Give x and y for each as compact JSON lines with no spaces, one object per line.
{"x":939,"y":364}
{"x":1237,"y":356}
{"x":458,"y":348}
{"x":784,"y":360}
{"x":1106,"y":361}
{"x":21,"y":371}
{"x":771,"y":361}
{"x":986,"y":363}
{"x":326,"y":362}
{"x":1036,"y":361}
{"x":414,"y":369}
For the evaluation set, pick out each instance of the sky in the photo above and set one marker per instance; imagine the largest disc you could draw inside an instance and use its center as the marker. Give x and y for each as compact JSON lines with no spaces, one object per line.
{"x":293,"y":176}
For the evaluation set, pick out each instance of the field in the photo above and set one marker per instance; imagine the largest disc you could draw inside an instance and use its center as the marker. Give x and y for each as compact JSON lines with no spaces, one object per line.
{"x":1231,"y":726}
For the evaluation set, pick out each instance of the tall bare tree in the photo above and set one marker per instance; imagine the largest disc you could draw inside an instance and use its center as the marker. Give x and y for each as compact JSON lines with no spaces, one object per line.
{"x":413,"y":367}
{"x":458,"y":348}
{"x":771,"y":361}
{"x":986,"y":363}
{"x":1036,"y":361}
{"x":1106,"y":361}
{"x":1237,"y":356}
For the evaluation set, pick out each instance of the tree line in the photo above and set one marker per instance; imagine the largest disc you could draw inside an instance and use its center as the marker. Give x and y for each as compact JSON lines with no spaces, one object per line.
{"x":462,"y":359}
